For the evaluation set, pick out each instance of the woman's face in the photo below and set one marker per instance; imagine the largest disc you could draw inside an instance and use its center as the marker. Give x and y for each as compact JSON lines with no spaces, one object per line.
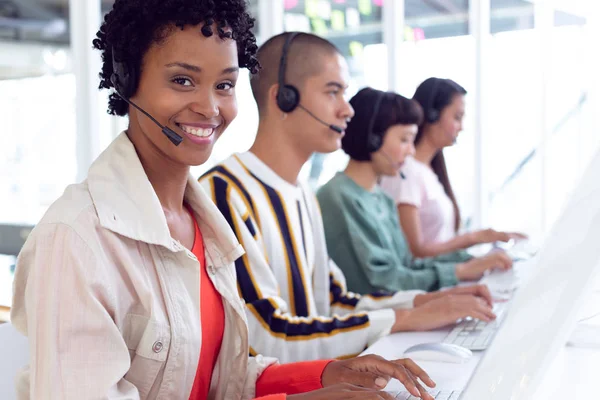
{"x":187,"y":83}
{"x":398,"y":143}
{"x":445,"y":131}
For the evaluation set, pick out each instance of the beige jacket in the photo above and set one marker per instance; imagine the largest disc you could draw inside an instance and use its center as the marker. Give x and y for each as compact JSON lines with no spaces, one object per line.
{"x":97,"y":292}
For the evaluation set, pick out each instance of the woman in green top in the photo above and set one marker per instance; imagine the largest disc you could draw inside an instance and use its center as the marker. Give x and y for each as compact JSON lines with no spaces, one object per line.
{"x":362,"y":229}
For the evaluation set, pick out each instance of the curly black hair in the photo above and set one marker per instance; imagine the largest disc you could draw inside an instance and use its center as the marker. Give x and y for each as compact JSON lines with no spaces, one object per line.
{"x":132,"y":26}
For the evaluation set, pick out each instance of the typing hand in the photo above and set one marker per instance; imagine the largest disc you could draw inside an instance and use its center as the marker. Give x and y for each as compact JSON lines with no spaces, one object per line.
{"x":374,"y":372}
{"x":443,"y":311}
{"x":491,"y":236}
{"x":474,"y":290}
{"x":343,"y":391}
{"x":474,"y":269}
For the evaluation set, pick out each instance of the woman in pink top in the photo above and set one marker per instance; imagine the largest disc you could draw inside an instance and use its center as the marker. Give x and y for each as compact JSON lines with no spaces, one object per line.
{"x":427,"y":206}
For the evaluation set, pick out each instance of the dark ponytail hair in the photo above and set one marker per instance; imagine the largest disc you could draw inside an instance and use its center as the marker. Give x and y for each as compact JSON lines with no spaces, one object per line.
{"x":435,"y":94}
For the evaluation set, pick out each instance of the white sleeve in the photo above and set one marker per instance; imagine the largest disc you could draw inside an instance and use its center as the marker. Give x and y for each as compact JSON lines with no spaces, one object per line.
{"x":380,"y":307}
{"x":76,"y":349}
{"x":256,"y":366}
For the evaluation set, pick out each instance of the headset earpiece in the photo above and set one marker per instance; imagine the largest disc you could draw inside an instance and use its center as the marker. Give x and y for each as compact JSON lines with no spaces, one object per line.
{"x":288,"y":96}
{"x":122,"y":77}
{"x":375,"y":141}
{"x":432,"y":115}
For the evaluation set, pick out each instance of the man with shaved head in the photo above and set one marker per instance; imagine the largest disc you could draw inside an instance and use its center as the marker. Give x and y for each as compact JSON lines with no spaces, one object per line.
{"x":297,"y":304}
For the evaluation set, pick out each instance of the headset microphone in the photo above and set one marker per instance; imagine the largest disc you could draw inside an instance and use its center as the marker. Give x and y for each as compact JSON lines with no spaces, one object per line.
{"x":334,"y":128}
{"x":394,"y":164}
{"x":173,"y":137}
{"x":123,"y":83}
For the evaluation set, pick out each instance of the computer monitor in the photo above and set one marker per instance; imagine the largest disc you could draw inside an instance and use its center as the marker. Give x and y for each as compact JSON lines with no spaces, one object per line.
{"x":543,"y":312}
{"x":12,"y":238}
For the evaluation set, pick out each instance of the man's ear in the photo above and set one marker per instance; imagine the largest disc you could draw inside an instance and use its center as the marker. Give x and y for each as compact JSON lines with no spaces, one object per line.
{"x":272,"y":97}
{"x":273,"y":92}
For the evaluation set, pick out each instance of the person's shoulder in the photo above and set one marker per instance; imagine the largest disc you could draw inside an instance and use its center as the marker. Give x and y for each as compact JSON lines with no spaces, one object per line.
{"x":387,"y":200}
{"x":231,"y":173}
{"x":333,"y":191}
{"x":412,"y":165}
{"x":71,"y":220}
{"x":228,"y":168}
{"x":73,"y":206}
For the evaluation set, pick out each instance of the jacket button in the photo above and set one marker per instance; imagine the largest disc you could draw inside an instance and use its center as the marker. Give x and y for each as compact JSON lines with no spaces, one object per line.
{"x":157,"y":346}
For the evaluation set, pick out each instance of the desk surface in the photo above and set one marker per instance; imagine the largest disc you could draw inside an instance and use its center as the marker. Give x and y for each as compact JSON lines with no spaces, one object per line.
{"x":572,"y":375}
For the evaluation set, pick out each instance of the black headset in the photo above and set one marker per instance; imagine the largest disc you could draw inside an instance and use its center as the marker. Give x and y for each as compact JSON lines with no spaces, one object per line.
{"x":374,"y":140}
{"x":431,"y":113}
{"x":288,"y":96}
{"x":124,"y":79}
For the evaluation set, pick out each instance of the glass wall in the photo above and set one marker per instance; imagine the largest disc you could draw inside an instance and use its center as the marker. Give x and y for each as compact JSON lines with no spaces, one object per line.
{"x":540,"y":122}
{"x":37,"y":148}
{"x":37,"y":102}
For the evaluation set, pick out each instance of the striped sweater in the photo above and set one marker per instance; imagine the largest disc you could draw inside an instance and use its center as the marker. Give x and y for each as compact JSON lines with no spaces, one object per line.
{"x":298,"y":307}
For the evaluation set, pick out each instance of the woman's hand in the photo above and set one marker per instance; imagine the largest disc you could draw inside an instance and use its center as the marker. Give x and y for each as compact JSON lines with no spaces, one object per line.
{"x":474,"y":269}
{"x":374,"y":372}
{"x":491,"y":236}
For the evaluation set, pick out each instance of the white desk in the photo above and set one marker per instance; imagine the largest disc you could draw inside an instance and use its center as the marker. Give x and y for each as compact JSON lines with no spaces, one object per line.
{"x":572,"y":375}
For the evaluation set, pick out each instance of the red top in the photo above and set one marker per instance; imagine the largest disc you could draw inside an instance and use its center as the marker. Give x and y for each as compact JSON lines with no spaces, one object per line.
{"x":212,"y":319}
{"x":290,"y":378}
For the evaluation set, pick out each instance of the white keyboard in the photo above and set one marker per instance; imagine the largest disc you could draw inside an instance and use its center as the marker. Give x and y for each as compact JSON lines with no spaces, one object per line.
{"x":435,"y":393}
{"x":474,"y":334}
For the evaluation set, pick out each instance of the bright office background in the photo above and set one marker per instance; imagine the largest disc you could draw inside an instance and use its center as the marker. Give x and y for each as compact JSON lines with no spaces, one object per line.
{"x":530,"y":67}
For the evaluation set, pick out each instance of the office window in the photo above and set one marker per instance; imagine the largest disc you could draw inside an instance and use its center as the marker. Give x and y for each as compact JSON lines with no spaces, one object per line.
{"x":37,"y":148}
{"x":511,"y":15}
{"x":431,"y":19}
{"x":538,"y":100}
{"x":37,"y":108}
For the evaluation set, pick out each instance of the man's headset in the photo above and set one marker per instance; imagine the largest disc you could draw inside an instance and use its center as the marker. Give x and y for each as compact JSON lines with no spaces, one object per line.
{"x":123,"y":79}
{"x":375,"y":139}
{"x":288,"y":96}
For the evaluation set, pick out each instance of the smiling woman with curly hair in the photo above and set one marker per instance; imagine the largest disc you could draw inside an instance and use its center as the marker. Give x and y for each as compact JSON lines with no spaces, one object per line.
{"x":126,"y":288}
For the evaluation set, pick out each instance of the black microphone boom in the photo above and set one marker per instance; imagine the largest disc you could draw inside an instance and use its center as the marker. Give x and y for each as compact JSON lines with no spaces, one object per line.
{"x":169,"y":133}
{"x":391,"y":162}
{"x":334,"y":128}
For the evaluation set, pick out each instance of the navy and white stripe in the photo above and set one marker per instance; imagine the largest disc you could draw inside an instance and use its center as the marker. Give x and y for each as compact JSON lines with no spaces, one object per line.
{"x":297,"y":304}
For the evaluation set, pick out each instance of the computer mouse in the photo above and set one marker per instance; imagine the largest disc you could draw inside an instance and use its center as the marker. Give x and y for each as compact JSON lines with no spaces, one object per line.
{"x":439,"y":352}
